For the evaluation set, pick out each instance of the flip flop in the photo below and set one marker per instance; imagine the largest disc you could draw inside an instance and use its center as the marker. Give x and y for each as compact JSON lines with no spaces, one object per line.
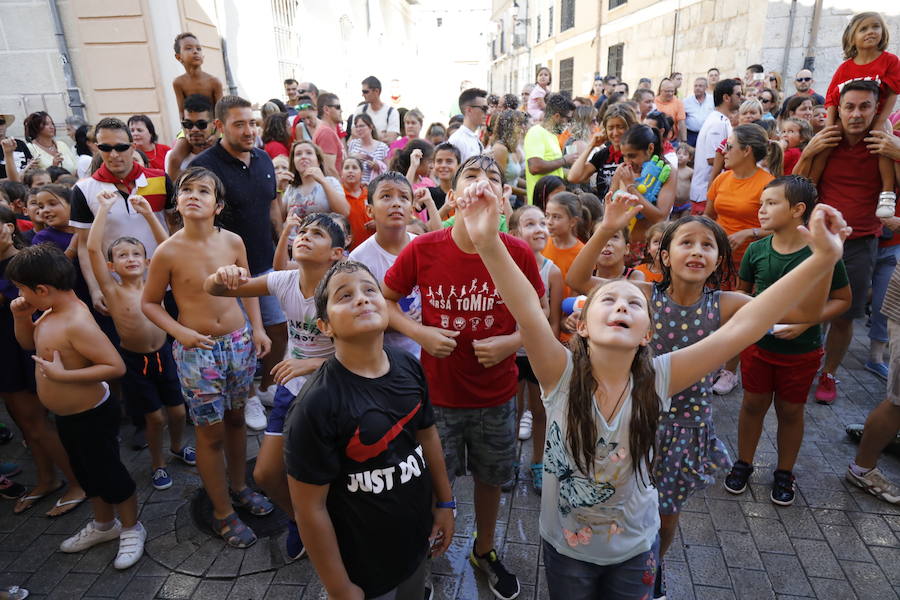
{"x":34,"y":499}
{"x":69,"y":504}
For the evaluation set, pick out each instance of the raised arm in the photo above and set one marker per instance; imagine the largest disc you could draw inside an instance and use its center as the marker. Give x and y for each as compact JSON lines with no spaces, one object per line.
{"x":827,"y":232}
{"x":22,"y":323}
{"x":423,"y":201}
{"x":582,"y":169}
{"x":281,"y":261}
{"x":480,"y":208}
{"x":142,"y":207}
{"x":95,"y":242}
{"x":235,"y":282}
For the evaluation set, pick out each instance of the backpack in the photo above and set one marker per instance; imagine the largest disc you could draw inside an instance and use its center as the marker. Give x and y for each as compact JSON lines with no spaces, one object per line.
{"x":365,"y":106}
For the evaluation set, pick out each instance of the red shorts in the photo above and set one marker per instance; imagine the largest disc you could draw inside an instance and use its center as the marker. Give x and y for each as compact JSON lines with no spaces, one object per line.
{"x":698,"y":208}
{"x":788,"y":376}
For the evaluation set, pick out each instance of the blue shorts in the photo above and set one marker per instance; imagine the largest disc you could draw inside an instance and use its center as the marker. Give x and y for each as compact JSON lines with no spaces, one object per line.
{"x":213,"y":381}
{"x":281,"y":403}
{"x":269,"y":308}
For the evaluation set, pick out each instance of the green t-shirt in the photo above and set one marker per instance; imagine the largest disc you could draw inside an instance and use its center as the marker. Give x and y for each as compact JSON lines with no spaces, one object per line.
{"x":540,"y":143}
{"x":504,"y":228}
{"x":762,"y":266}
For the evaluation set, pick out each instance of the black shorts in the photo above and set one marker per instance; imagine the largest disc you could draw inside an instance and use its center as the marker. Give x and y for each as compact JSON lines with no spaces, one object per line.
{"x":91,"y":441}
{"x":859,"y":259}
{"x":151,"y":380}
{"x":525,"y":370}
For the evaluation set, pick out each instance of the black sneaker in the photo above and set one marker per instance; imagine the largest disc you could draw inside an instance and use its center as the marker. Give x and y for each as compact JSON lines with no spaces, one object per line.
{"x":783,"y":488}
{"x":659,"y":588}
{"x":736,"y":482}
{"x":504,"y":584}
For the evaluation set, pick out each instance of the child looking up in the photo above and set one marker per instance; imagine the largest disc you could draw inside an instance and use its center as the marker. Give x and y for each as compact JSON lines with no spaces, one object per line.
{"x":319,"y":243}
{"x":781,"y":366}
{"x":390,"y":207}
{"x":356,"y":194}
{"x":529,"y":224}
{"x":366,"y":469}
{"x":599,"y":519}
{"x":74,"y":359}
{"x":150,"y":372}
{"x":651,"y":267}
{"x":682,"y":206}
{"x":215,"y":349}
{"x":564,"y":217}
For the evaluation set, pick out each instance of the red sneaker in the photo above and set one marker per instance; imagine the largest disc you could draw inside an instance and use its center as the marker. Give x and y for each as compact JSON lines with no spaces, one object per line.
{"x":826,"y":391}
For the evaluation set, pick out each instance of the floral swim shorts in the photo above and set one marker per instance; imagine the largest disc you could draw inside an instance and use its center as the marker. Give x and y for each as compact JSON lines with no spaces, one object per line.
{"x":217,"y":380}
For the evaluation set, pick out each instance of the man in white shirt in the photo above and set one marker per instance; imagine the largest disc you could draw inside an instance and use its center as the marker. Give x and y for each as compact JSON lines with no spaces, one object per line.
{"x":728,"y":96}
{"x":696,"y":108}
{"x":386,"y":119}
{"x":473,"y":104}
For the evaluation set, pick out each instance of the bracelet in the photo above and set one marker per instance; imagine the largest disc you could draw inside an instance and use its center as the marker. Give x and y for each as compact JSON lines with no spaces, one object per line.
{"x":451,"y":504}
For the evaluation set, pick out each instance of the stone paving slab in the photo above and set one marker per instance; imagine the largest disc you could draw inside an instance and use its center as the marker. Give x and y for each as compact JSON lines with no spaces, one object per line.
{"x":835,"y":542}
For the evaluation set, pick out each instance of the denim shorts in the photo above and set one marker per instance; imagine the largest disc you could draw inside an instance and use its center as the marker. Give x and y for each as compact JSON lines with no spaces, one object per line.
{"x":485,"y":438}
{"x":213,"y":381}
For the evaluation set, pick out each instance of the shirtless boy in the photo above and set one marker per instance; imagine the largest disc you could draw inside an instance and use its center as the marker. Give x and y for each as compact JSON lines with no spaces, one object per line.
{"x":150,"y":372}
{"x":74,"y":359}
{"x":214,"y":348}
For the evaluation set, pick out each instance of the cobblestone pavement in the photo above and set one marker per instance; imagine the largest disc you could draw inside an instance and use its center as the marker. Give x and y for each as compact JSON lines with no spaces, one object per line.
{"x":835,"y":542}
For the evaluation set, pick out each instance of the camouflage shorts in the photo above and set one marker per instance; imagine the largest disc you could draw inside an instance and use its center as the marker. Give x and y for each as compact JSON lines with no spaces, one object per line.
{"x":484,"y":436}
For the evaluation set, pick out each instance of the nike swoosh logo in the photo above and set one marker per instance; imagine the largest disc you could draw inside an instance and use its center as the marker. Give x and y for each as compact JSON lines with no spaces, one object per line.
{"x":361,"y":452}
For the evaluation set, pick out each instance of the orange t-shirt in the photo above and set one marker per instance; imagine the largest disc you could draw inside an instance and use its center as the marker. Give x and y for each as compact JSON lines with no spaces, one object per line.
{"x":358,"y":216}
{"x":674,"y":108}
{"x":648,"y":274}
{"x":563,"y":258}
{"x":736,"y":202}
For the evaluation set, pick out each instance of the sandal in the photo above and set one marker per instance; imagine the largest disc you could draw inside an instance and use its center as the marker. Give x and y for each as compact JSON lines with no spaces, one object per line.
{"x":235,"y":533}
{"x":27,"y":502}
{"x":68,"y":505}
{"x":256,"y":504}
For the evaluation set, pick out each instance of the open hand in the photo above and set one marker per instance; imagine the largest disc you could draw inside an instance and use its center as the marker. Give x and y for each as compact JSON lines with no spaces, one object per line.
{"x":829,"y":137}
{"x":51,"y":369}
{"x":261,"y":342}
{"x":441,"y":531}
{"x":619,"y":210}
{"x":883,"y":143}
{"x":291,"y":368}
{"x":191,"y":339}
{"x":790,"y":331}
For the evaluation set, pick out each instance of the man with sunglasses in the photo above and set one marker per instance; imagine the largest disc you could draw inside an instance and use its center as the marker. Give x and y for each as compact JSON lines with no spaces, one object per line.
{"x":474,"y":106}
{"x":386,"y":119}
{"x":14,"y":151}
{"x":803,"y":84}
{"x":326,"y":136}
{"x":199,"y":130}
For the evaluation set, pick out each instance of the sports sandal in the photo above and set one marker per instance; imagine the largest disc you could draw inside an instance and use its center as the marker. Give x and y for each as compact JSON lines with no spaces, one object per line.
{"x":235,"y":533}
{"x":257,"y":504}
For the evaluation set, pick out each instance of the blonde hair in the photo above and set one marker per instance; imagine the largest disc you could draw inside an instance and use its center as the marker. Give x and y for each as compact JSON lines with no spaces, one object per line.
{"x":850,"y":50}
{"x":779,"y":81}
{"x":750,"y":104}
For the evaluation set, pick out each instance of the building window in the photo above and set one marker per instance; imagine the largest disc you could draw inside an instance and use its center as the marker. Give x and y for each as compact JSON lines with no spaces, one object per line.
{"x":566,"y":71}
{"x":493,"y":48}
{"x":550,"y":23}
{"x":537,"y":37}
{"x":287,"y":38}
{"x":614,"y":60}
{"x":502,"y":38}
{"x":616,"y":3}
{"x":567,"y":15}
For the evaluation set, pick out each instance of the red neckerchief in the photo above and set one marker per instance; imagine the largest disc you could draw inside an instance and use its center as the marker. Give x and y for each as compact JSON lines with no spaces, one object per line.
{"x":615,"y":156}
{"x":103,"y":174}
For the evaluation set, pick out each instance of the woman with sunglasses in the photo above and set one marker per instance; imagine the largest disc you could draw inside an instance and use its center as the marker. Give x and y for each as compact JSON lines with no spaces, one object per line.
{"x":143,"y":134}
{"x":769,"y":99}
{"x":775,"y":82}
{"x":40,"y":136}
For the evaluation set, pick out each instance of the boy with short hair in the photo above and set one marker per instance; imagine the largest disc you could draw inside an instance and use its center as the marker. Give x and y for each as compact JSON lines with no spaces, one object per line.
{"x":74,"y":359}
{"x":363,"y":454}
{"x":390,"y":205}
{"x":319,"y":243}
{"x":214,"y":348}
{"x":151,"y":377}
{"x":782,"y":365}
{"x":469,"y":340}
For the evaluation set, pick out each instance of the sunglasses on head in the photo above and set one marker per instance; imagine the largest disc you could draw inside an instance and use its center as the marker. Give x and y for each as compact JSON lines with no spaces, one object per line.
{"x":305,"y":106}
{"x":804,"y":79}
{"x":201,"y":124}
{"x":111,"y":147}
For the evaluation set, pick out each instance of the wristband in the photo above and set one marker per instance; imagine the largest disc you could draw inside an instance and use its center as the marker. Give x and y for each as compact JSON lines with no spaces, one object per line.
{"x":451,"y":504}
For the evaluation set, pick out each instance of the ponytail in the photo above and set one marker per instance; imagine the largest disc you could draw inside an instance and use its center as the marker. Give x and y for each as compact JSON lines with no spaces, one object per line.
{"x":775,"y":159}
{"x":641,"y":136}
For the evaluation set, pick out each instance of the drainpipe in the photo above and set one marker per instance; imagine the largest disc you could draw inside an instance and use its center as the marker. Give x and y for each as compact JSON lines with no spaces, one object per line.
{"x":72,"y":90}
{"x":810,"y":61}
{"x":674,"y":37}
{"x":597,"y":72}
{"x":790,"y":35}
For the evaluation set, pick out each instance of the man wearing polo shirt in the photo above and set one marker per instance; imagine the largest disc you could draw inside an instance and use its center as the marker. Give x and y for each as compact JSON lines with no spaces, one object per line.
{"x":851,"y":183}
{"x":697,"y":107}
{"x":251,"y":211}
{"x":473,"y":104}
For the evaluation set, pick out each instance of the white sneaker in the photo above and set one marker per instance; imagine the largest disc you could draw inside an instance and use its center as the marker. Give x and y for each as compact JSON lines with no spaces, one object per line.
{"x":254,"y":414}
{"x":131,"y":546}
{"x":876,"y":484}
{"x":90,"y":536}
{"x":525,"y":425}
{"x":266,"y":396}
{"x":887,"y":205}
{"x":725,"y":383}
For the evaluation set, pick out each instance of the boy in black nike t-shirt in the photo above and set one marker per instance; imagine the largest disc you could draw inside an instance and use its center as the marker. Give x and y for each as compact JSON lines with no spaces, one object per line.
{"x":366,"y":470}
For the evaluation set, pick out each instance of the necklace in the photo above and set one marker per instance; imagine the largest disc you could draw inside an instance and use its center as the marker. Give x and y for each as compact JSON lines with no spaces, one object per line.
{"x":618,"y":402}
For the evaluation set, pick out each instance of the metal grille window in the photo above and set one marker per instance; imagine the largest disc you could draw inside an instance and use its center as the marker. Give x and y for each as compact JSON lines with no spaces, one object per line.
{"x":566,"y":71}
{"x":567,"y":15}
{"x":537,"y":36}
{"x":287,"y":38}
{"x":614,"y":60}
{"x":550,"y":23}
{"x":615,"y":3}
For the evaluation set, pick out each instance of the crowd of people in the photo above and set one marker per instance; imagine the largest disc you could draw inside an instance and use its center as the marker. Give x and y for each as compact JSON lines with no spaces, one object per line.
{"x":396,"y":305}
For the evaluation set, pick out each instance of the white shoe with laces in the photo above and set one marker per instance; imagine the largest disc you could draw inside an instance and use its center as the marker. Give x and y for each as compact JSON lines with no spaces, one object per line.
{"x":726,"y":382}
{"x":254,"y":414}
{"x":525,"y":425}
{"x":131,"y":546}
{"x":90,"y":536}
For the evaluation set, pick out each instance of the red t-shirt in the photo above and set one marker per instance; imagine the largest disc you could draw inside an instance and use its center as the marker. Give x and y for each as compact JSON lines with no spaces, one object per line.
{"x":459,"y":294}
{"x":157,"y":158}
{"x":275,"y":148}
{"x":884,"y":70}
{"x":327,"y":139}
{"x":851,"y":183}
{"x":791,"y":156}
